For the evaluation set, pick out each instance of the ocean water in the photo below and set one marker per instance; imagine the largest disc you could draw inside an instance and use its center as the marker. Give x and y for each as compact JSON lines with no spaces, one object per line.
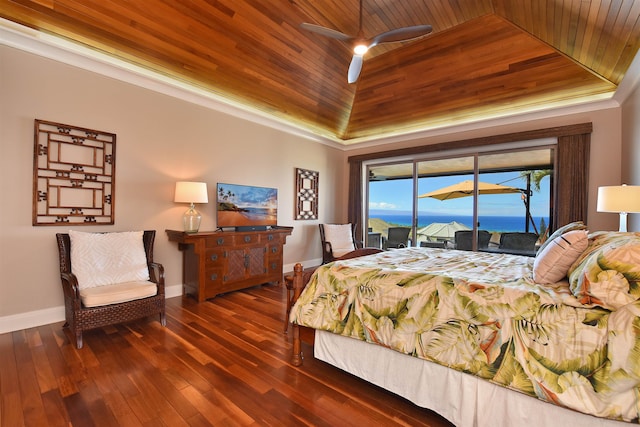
{"x":490,"y":223}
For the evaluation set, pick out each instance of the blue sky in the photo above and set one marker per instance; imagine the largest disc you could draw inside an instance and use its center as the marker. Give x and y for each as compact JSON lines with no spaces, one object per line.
{"x":396,"y":197}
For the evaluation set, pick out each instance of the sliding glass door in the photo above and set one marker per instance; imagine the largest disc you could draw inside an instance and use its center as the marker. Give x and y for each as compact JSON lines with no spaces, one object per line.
{"x":445,"y":202}
{"x":390,"y":202}
{"x":464,"y":201}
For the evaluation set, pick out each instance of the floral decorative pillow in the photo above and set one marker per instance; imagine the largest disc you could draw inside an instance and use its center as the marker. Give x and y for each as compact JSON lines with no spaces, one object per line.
{"x":577,"y":225}
{"x":607,"y":274}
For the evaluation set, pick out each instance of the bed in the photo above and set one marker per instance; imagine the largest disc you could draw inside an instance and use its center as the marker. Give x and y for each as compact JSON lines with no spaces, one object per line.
{"x":485,"y":338}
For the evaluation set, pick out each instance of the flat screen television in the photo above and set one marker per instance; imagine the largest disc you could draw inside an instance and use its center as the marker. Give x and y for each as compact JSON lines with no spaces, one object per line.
{"x":246,"y":207}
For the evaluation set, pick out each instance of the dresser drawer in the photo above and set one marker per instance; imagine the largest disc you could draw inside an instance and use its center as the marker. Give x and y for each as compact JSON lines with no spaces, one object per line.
{"x":274,"y":251}
{"x":220,"y":240}
{"x":270,"y":238}
{"x":213,"y":256}
{"x":232,"y":239}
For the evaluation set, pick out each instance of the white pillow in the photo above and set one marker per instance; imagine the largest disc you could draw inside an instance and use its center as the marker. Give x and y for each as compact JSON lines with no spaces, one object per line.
{"x":99,"y":259}
{"x":552,"y":263}
{"x":341,"y":238}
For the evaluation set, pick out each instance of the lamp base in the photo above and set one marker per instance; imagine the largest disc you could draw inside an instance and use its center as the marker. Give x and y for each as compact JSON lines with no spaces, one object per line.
{"x":191,"y":220}
{"x":623,"y":222}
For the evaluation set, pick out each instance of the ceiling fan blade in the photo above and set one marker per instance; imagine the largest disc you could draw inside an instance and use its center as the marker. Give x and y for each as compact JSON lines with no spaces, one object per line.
{"x":324,"y":31}
{"x":401,"y":34}
{"x":354,"y":68}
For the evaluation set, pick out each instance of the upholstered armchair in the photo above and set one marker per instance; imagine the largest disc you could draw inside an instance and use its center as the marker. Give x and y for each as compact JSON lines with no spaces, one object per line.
{"x":338,"y":242}
{"x":109,"y":278}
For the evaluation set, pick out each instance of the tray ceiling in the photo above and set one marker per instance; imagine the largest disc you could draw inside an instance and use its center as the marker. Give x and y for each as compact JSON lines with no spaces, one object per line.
{"x":484,"y":58}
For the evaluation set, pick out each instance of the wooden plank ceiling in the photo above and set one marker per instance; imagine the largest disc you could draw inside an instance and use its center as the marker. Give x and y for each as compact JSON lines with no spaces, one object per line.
{"x":484,"y":58}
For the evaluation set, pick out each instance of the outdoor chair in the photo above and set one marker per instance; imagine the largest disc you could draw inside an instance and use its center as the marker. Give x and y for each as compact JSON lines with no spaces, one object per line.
{"x":441,"y":245}
{"x":464,"y":239}
{"x":397,"y":237}
{"x":338,"y":243}
{"x":518,"y":241}
{"x":109,"y":278}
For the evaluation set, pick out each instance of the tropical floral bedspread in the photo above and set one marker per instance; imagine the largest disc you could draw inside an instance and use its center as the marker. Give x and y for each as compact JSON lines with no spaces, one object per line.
{"x":482,"y":314}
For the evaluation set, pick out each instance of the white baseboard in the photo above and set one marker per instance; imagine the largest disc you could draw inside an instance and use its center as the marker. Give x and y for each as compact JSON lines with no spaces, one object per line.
{"x":173,"y":291}
{"x":31,"y":319}
{"x":46,"y":316}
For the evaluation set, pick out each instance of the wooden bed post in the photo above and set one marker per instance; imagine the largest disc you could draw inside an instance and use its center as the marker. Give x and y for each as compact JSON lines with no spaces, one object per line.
{"x":298,"y":285}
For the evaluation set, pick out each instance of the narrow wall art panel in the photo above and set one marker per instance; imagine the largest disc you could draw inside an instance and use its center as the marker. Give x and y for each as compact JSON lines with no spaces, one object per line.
{"x":73,"y":175}
{"x":306,"y":194}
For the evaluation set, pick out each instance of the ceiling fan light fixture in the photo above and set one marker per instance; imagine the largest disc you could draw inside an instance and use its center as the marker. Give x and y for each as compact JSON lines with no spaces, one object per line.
{"x":361,"y":45}
{"x":360,"y":49}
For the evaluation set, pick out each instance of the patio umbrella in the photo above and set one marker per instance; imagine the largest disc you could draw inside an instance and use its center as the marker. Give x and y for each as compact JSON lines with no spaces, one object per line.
{"x":465,"y":189}
{"x":442,"y":230}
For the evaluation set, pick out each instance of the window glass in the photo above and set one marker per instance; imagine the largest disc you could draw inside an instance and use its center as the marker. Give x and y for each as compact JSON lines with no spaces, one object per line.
{"x":515,"y":190}
{"x":390,"y":196}
{"x":442,"y":208}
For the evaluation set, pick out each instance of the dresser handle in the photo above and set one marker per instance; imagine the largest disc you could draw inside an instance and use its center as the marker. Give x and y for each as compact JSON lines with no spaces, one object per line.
{"x":214,"y":277}
{"x":270,"y":237}
{"x":247,"y":239}
{"x":274,"y":250}
{"x":214,"y":257}
{"x":221,"y":240}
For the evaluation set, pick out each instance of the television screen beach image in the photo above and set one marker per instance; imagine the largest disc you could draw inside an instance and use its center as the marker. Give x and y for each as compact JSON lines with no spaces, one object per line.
{"x":246,"y":206}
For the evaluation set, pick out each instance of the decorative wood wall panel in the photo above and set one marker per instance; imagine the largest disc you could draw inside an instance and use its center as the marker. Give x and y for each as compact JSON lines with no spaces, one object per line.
{"x":73,"y":175}
{"x":306,"y":194}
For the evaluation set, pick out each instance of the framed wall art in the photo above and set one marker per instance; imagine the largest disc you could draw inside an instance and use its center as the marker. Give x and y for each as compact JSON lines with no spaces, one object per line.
{"x":73,"y":175}
{"x":306,"y":194}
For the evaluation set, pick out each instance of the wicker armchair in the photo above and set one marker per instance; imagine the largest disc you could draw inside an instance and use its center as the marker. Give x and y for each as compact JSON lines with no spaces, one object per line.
{"x":80,"y":318}
{"x":338,"y":242}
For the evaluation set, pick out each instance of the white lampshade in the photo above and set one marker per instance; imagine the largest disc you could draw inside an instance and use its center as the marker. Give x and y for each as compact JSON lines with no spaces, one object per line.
{"x":620,"y":199}
{"x":191,"y":192}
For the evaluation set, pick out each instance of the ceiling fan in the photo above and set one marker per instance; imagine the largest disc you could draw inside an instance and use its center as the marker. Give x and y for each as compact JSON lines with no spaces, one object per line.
{"x":361,"y":44}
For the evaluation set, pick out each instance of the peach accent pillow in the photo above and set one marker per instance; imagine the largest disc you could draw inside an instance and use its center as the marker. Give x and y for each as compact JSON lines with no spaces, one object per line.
{"x":552,"y":263}
{"x":577,"y":225}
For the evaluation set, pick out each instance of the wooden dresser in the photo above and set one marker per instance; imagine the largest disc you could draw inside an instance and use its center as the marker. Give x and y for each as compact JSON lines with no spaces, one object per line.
{"x":216,"y":262}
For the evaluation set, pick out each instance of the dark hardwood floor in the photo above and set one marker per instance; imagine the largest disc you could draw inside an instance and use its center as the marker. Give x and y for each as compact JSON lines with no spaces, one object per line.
{"x":224,"y":362}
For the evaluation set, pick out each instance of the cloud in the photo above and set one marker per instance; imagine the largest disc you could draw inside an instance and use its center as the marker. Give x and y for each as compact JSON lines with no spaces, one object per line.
{"x":382,"y":205}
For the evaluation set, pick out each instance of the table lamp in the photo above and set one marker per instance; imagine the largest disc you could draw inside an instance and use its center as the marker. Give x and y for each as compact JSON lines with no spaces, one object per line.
{"x":621,"y":199}
{"x":191,"y":192}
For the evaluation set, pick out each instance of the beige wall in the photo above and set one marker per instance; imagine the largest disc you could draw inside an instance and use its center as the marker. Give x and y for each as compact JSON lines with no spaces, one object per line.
{"x":160,"y":140}
{"x":630,"y":167}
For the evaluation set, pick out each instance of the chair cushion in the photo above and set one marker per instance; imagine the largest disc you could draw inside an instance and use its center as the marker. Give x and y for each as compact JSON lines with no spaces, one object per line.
{"x":114,"y":294}
{"x":99,"y":259}
{"x":341,"y":238}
